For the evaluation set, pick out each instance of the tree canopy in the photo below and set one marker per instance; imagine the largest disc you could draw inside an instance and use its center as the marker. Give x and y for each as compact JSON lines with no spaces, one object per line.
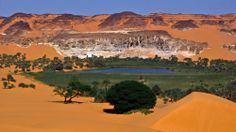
{"x":130,"y":95}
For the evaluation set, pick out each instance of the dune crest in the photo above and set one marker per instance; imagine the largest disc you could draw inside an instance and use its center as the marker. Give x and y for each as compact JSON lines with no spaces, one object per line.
{"x":199,"y":112}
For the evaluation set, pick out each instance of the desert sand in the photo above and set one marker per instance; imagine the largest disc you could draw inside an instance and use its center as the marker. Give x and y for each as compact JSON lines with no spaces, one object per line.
{"x":39,"y":110}
{"x":32,"y":52}
{"x":198,"y":112}
{"x":209,"y":34}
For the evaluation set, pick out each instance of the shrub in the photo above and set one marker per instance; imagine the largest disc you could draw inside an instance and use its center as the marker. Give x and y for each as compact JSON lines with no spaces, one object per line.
{"x":5,"y":85}
{"x":23,"y":85}
{"x":156,"y":90}
{"x":55,"y":65}
{"x":165,"y":100}
{"x":231,"y":90}
{"x":10,"y":78}
{"x":8,"y":81}
{"x":100,"y":96}
{"x":32,"y":86}
{"x":174,"y":94}
{"x":11,"y":86}
{"x":130,"y":95}
{"x":197,"y":89}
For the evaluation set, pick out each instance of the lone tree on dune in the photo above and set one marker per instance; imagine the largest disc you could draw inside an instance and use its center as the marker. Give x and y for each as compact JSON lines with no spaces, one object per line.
{"x":130,"y":95}
{"x":8,"y":81}
{"x":72,"y":90}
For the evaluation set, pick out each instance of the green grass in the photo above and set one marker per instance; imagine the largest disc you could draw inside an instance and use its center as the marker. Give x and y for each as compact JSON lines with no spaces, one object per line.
{"x":165,"y":81}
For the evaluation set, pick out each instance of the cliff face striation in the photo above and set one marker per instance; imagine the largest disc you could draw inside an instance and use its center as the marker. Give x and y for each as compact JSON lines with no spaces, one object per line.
{"x":140,"y":43}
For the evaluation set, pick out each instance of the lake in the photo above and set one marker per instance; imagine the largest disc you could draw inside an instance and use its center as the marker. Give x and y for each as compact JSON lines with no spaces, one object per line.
{"x":130,"y":70}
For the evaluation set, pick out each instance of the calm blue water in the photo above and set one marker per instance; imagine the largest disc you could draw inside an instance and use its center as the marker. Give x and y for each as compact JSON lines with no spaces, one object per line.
{"x":130,"y":70}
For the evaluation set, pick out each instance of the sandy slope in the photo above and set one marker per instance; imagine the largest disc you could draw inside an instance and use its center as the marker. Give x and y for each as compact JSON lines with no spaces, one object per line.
{"x":209,"y":34}
{"x":198,"y":112}
{"x":38,"y":110}
{"x":32,"y":52}
{"x":27,"y":110}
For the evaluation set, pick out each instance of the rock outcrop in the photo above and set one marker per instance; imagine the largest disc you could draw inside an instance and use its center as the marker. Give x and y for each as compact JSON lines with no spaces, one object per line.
{"x":184,"y":25}
{"x":119,"y":44}
{"x":117,"y":34}
{"x":230,"y":47}
{"x":229,"y":31}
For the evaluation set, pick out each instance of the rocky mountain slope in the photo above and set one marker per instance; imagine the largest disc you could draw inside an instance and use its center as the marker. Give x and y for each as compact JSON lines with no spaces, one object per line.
{"x":119,"y":33}
{"x":141,"y":43}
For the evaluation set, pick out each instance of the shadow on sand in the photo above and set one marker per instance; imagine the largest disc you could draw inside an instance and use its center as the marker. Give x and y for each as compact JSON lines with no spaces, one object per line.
{"x":110,"y":111}
{"x":62,"y":102}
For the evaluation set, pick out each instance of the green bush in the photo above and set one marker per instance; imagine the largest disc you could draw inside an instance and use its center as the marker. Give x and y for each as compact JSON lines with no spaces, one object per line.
{"x":100,"y":96}
{"x":5,"y":85}
{"x":231,"y":90}
{"x":156,"y":90}
{"x":174,"y":94}
{"x":23,"y":85}
{"x":130,"y":95}
{"x":197,"y":89}
{"x":32,"y":86}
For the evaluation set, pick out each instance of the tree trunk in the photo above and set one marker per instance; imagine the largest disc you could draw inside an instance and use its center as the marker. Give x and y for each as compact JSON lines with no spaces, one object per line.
{"x":70,"y":100}
{"x":65,"y":100}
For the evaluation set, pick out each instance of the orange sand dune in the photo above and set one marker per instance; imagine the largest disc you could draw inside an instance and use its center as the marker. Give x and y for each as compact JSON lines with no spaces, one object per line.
{"x":32,"y":52}
{"x":209,"y":34}
{"x":39,"y":110}
{"x":198,"y":112}
{"x":27,"y":110}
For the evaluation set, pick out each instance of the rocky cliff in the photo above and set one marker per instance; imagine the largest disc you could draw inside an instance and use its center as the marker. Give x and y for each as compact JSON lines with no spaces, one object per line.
{"x":111,"y":34}
{"x":140,"y":43}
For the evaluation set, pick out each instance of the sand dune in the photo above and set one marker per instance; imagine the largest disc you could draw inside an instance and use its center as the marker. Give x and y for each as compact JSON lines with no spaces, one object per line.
{"x":39,"y":110}
{"x":209,"y":34}
{"x":32,"y":52}
{"x":198,"y":112}
{"x":27,"y":110}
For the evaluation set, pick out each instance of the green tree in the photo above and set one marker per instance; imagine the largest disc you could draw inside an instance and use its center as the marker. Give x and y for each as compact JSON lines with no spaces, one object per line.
{"x":94,"y":88}
{"x":8,"y":81}
{"x":100,"y":96}
{"x":5,"y":85}
{"x":130,"y":95}
{"x":231,"y":91}
{"x":10,"y":78}
{"x":174,"y":94}
{"x":106,"y":84}
{"x":173,"y":59}
{"x":55,"y":65}
{"x":202,"y":87}
{"x":72,"y":90}
{"x":68,"y":63}
{"x":156,"y":90}
{"x":188,"y":62}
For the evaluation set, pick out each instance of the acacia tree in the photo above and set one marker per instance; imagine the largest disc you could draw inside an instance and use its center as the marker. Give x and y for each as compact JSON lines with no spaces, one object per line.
{"x":72,"y":90}
{"x":8,"y":81}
